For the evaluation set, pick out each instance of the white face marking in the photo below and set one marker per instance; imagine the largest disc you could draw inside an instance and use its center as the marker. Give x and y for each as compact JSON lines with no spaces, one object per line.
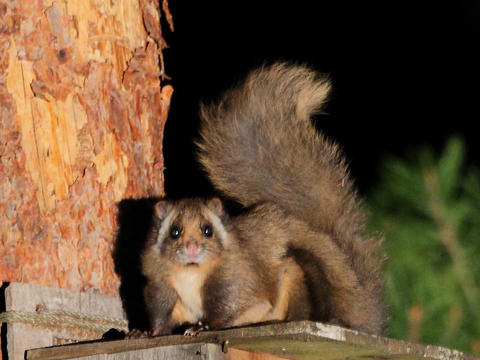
{"x":165,"y":226}
{"x":188,"y":284}
{"x":218,"y":226}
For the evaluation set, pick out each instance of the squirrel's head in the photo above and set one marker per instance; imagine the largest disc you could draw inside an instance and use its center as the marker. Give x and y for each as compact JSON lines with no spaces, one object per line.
{"x":190,"y":232}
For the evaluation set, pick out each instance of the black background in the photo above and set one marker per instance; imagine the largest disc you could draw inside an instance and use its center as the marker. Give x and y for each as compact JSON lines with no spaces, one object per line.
{"x":405,"y":73}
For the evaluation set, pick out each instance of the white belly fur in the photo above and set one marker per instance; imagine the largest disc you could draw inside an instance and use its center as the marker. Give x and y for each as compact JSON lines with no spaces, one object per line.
{"x":188,"y":284}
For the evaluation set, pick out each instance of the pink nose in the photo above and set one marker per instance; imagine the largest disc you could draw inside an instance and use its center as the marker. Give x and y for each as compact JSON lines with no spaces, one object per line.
{"x":192,"y":249}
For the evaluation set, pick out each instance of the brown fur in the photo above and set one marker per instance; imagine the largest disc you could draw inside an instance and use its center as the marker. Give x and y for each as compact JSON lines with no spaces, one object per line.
{"x":258,"y":145}
{"x":300,"y":252}
{"x":236,"y":283}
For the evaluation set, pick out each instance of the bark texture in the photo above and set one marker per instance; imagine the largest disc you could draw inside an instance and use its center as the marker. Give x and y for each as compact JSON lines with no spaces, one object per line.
{"x":82,"y":112}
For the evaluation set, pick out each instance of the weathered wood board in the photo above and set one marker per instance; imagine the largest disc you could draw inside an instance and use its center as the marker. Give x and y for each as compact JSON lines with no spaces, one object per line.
{"x":27,"y":298}
{"x":297,"y":340}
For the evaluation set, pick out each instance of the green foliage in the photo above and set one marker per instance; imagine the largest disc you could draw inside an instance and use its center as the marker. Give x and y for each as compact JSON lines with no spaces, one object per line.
{"x":428,"y":210}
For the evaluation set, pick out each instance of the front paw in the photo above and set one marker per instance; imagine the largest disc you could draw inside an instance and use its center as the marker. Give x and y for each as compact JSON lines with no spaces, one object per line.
{"x":136,"y":334}
{"x":160,"y":330}
{"x":195,"y":329}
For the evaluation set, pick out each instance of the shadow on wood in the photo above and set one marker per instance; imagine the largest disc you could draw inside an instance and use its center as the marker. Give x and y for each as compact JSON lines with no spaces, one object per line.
{"x":134,"y":220}
{"x":3,"y":330}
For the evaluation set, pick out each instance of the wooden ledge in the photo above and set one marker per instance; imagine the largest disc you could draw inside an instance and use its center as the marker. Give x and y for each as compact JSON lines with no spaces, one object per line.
{"x":296,"y":340}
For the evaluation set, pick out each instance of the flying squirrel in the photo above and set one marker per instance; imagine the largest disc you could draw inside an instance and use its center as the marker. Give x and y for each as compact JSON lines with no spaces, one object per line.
{"x":298,"y":252}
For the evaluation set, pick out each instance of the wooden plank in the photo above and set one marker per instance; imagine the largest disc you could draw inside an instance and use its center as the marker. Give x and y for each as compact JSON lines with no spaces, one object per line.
{"x":21,"y":337}
{"x":184,"y":352}
{"x":235,"y":354}
{"x":194,"y":352}
{"x":114,"y":347}
{"x":297,"y":340}
{"x":27,"y":297}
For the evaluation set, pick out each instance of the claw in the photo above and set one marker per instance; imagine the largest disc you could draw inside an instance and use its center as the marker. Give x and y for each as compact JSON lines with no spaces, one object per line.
{"x":195,"y":329}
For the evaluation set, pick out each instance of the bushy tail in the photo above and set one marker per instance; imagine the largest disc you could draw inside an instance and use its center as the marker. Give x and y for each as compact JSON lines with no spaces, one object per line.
{"x":258,"y":144}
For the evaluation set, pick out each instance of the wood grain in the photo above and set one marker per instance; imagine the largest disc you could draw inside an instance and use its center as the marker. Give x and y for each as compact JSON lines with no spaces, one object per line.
{"x":28,"y":298}
{"x":297,"y":340}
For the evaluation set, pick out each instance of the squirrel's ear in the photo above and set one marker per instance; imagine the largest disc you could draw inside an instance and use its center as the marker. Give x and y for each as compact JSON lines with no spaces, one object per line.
{"x":215,"y":206}
{"x":163,"y":208}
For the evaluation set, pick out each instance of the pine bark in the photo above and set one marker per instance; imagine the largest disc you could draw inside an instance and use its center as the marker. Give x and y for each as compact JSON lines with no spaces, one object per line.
{"x":82,"y":113}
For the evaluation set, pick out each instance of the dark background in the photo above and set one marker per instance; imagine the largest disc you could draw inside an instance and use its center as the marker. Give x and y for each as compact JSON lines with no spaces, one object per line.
{"x":405,"y":73}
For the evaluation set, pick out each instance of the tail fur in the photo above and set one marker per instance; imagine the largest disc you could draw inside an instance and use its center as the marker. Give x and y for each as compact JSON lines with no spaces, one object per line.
{"x":258,"y":145}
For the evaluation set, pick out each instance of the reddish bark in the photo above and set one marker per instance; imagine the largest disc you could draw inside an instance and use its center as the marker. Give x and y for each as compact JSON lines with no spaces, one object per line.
{"x":82,"y":112}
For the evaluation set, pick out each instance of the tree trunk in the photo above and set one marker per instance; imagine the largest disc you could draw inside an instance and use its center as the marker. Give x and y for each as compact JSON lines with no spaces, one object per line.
{"x":82,"y":112}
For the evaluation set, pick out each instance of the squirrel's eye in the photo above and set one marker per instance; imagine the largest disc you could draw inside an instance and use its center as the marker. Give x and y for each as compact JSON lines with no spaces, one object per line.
{"x":174,"y":232}
{"x":207,"y":231}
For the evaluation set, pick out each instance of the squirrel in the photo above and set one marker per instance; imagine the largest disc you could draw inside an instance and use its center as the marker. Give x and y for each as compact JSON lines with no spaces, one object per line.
{"x":299,"y":251}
